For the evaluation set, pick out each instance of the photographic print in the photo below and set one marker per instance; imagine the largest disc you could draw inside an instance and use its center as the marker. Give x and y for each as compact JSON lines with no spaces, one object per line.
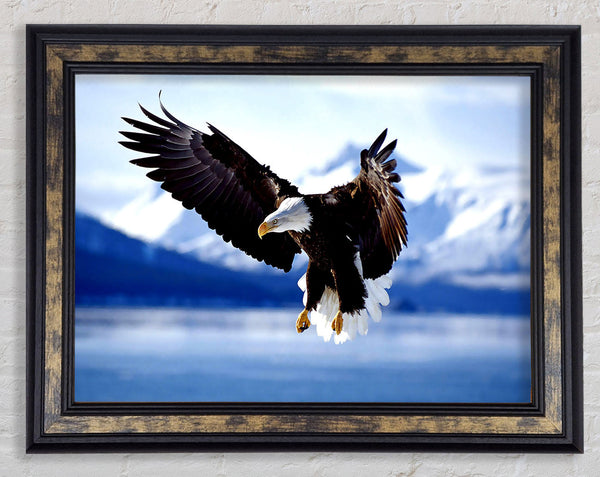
{"x":203,"y":305}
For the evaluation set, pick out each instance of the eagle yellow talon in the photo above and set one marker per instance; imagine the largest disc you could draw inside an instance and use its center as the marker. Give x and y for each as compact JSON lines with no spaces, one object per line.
{"x":337,"y":323}
{"x":302,"y":323}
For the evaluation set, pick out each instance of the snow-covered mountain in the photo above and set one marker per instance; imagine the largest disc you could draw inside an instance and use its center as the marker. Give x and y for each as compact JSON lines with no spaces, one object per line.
{"x":470,"y":227}
{"x":467,"y":227}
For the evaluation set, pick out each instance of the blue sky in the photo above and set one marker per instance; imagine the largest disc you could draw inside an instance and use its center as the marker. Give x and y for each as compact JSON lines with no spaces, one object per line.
{"x":294,"y":123}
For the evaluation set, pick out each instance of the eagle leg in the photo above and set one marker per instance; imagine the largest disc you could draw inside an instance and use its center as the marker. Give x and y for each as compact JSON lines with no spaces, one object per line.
{"x":337,"y":323}
{"x":302,"y":323}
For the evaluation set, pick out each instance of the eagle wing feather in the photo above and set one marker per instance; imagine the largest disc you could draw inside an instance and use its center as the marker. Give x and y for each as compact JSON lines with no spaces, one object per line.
{"x":213,"y":175}
{"x":375,"y":211}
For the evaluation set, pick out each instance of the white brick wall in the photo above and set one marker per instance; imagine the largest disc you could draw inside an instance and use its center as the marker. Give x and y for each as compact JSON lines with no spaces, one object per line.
{"x":14,"y":14}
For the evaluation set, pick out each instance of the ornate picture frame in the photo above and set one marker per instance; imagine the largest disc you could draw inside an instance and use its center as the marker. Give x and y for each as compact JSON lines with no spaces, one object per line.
{"x":548,"y":55}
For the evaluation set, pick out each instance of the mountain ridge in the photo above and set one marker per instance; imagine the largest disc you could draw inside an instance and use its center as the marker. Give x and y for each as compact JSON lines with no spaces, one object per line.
{"x":469,"y":233}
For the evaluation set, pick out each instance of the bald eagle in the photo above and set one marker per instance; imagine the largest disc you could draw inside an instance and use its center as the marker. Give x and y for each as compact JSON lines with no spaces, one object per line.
{"x":352,"y":234}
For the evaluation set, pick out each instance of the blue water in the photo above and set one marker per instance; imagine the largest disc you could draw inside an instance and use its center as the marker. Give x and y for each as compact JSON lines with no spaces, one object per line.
{"x":249,"y":355}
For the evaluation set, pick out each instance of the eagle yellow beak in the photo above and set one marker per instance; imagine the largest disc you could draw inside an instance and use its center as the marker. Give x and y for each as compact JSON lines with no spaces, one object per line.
{"x":264,"y":228}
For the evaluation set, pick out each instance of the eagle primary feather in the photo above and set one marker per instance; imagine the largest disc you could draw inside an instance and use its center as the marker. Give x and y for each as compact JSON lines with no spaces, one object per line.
{"x":351,"y":234}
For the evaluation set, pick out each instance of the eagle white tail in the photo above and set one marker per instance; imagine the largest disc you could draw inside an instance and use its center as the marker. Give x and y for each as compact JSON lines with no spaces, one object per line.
{"x":327,"y":308}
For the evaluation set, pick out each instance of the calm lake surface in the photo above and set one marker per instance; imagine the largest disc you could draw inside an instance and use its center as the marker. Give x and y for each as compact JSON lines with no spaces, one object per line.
{"x":137,"y":354}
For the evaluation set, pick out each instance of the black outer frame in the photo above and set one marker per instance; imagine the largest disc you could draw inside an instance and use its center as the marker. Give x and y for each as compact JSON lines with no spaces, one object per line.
{"x":571,"y":441}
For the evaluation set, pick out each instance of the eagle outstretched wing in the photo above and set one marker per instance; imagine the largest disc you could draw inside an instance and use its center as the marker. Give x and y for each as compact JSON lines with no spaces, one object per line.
{"x":213,"y":175}
{"x":377,"y":217}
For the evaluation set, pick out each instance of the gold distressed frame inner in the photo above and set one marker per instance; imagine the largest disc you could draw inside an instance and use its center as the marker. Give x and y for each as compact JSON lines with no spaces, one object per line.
{"x":56,"y":423}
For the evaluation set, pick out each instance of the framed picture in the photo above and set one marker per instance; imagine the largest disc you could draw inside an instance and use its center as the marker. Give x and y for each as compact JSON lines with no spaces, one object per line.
{"x":225,"y":251}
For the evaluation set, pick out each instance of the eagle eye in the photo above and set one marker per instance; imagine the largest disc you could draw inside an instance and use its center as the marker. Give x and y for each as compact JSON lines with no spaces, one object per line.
{"x":275,"y":221}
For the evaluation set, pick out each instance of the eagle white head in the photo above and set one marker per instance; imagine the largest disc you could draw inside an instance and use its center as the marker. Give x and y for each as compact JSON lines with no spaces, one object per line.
{"x":292,"y":214}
